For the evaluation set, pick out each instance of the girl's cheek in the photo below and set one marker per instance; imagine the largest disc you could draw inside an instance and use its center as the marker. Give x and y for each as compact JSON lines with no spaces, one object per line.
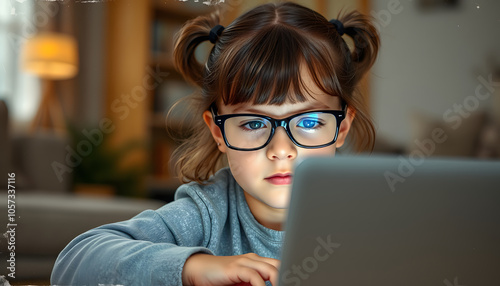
{"x":326,"y":151}
{"x":241,"y":162}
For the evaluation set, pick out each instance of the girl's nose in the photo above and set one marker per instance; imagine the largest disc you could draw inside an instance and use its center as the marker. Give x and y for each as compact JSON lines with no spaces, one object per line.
{"x":281,"y":146}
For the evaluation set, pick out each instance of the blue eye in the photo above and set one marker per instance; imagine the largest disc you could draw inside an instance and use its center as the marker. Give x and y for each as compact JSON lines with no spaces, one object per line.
{"x":254,"y":125}
{"x":309,"y":123}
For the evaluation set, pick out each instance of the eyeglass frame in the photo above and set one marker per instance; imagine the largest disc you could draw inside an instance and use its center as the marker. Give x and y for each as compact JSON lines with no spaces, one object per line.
{"x":219,"y":120}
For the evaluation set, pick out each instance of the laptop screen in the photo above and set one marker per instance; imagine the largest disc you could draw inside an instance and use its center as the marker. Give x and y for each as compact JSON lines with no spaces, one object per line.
{"x":371,"y":220}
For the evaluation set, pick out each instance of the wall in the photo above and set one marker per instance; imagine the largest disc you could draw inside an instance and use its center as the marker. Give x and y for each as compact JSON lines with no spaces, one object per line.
{"x":430,"y":61}
{"x":89,"y":20}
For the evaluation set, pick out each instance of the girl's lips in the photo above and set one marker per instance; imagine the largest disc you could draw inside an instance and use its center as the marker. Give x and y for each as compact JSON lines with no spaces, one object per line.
{"x":280,"y":179}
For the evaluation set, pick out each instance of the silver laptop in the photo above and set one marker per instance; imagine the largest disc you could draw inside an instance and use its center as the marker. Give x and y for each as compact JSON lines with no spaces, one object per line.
{"x":393,"y":221}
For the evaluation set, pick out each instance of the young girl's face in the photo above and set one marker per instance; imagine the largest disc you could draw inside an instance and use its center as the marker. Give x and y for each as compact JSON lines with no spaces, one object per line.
{"x":266,"y":174}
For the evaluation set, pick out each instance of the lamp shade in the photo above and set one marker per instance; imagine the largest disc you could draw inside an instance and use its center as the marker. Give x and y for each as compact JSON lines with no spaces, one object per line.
{"x":51,"y":56}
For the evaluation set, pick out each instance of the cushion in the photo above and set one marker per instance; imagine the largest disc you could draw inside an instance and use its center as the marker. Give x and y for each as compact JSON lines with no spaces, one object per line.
{"x":34,"y":155}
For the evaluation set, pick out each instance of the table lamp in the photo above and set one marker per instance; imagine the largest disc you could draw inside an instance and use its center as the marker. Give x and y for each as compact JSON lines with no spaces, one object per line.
{"x":51,"y":56}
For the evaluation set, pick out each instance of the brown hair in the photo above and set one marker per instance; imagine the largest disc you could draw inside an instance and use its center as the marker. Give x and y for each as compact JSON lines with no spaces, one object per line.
{"x":257,"y":59}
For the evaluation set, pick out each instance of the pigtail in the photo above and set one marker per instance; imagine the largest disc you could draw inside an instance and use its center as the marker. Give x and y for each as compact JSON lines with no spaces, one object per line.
{"x":366,"y":42}
{"x":358,"y":61}
{"x":197,"y":157}
{"x":193,"y":33}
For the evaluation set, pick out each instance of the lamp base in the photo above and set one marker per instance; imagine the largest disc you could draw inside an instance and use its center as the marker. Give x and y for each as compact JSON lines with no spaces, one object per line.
{"x":50,"y":114}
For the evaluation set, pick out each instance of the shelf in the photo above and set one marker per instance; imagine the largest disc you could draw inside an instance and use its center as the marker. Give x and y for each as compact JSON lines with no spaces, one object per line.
{"x":167,"y":17}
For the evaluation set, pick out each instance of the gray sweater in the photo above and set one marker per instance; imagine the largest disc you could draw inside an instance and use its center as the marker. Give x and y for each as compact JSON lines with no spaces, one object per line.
{"x":151,"y":248}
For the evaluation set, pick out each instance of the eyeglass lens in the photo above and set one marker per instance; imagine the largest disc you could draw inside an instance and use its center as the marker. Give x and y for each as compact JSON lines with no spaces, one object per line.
{"x":309,"y":129}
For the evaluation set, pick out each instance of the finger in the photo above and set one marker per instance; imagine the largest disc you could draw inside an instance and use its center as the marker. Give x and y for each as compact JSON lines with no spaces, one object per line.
{"x":251,"y":276}
{"x":272,"y":261}
{"x":275,"y":262}
{"x":273,"y":277}
{"x":269,"y":272}
{"x":263,"y":266}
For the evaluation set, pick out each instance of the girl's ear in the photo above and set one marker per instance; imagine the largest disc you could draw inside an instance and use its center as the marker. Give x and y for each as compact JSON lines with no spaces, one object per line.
{"x":345,"y":126}
{"x":215,"y":130}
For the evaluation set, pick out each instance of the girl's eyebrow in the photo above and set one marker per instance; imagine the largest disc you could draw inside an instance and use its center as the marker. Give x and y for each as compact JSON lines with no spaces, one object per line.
{"x":315,"y":106}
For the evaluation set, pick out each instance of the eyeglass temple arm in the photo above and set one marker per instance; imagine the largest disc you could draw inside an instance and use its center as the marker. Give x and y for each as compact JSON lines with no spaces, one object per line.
{"x":344,"y":105}
{"x":213,"y":109}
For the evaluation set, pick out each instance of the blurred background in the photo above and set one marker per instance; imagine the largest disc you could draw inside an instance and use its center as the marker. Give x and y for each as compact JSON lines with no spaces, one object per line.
{"x":85,"y":87}
{"x":113,"y":81}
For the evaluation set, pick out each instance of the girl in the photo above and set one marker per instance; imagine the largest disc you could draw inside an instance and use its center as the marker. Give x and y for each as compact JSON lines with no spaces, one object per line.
{"x":279,"y":85}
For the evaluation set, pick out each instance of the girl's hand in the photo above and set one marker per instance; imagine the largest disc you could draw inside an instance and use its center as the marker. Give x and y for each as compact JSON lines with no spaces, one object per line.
{"x":247,"y":269}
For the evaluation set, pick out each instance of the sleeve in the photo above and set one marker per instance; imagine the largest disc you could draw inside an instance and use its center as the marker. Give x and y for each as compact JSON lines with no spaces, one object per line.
{"x":149,"y":249}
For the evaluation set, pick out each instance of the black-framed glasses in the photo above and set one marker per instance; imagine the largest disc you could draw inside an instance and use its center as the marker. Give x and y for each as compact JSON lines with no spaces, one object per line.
{"x":249,"y":132}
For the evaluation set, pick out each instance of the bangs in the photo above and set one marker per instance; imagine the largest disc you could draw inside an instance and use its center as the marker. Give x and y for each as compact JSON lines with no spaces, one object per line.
{"x":267,"y":68}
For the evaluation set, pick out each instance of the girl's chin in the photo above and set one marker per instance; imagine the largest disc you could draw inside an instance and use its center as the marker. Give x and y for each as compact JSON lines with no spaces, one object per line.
{"x":279,"y":203}
{"x":274,"y":198}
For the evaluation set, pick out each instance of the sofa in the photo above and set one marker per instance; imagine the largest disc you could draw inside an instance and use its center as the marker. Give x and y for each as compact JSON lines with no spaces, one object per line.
{"x":48,"y":214}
